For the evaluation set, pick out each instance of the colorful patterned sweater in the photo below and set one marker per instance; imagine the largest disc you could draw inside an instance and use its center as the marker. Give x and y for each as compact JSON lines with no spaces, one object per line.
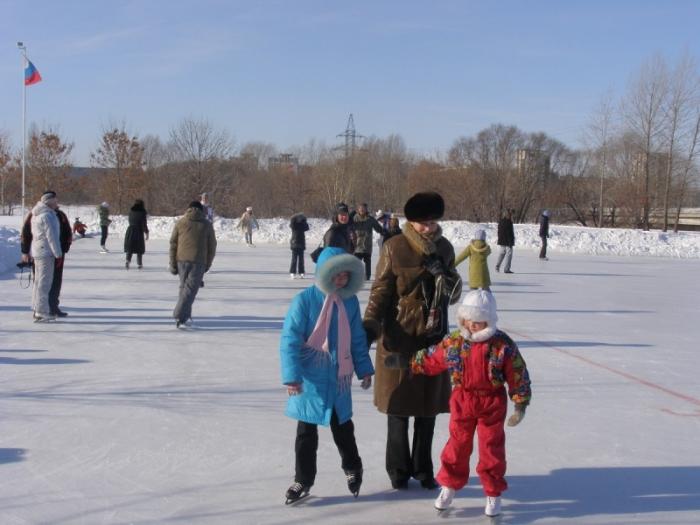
{"x":482,"y":367}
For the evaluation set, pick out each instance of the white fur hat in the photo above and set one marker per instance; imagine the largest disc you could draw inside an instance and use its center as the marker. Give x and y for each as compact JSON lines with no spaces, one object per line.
{"x":480,"y":234}
{"x":479,"y":306}
{"x":249,"y":208}
{"x":545,"y":213}
{"x":104,"y":205}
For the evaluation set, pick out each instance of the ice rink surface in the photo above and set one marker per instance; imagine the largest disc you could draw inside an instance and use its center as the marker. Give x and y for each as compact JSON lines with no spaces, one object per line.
{"x":113,"y":416}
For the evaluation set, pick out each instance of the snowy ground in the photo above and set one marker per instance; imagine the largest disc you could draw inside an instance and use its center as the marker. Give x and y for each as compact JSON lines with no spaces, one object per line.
{"x":113,"y":416}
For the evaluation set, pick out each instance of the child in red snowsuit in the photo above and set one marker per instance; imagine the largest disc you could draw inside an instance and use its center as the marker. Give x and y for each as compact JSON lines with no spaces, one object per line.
{"x":481,"y":360}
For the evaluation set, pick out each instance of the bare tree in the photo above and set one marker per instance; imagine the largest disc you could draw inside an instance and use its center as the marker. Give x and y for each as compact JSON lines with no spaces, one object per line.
{"x":48,"y":162}
{"x":643,"y":113}
{"x":598,"y":137}
{"x":8,"y":191}
{"x":198,"y":148}
{"x":122,"y":155}
{"x":689,"y":167}
{"x":682,"y":95}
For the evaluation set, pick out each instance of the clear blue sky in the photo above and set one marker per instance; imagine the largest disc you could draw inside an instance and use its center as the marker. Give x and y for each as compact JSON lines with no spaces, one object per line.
{"x":287,"y":71}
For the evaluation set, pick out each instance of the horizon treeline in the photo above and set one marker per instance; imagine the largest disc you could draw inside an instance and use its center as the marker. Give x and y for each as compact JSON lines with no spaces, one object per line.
{"x":638,"y":166}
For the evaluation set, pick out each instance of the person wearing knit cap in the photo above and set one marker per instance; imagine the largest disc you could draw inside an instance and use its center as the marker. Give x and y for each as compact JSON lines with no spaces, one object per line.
{"x":322,"y":344}
{"x":105,"y":221}
{"x":192,"y":250}
{"x":481,"y":361}
{"x":415,"y":269}
{"x":247,"y":224}
{"x":477,"y":251}
{"x":45,"y":231}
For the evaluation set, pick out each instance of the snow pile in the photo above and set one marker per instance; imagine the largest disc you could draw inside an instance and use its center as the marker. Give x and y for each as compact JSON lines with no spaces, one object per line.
{"x":563,"y":239}
{"x":9,"y":248}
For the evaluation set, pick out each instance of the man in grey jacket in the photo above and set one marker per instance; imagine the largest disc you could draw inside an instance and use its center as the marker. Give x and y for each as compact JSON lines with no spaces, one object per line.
{"x":46,"y":248}
{"x":192,"y":250}
{"x":364,"y":224}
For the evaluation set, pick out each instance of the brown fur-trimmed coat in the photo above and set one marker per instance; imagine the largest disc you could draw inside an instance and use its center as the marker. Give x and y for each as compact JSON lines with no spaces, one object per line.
{"x":396,"y":315}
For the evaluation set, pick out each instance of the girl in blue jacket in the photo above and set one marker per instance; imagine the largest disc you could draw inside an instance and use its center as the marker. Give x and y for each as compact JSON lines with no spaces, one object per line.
{"x":323,"y":343}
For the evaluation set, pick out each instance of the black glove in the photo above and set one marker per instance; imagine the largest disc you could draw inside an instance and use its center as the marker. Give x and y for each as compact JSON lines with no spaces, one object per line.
{"x":173,"y":270}
{"x":396,"y":361}
{"x":371,"y":336}
{"x":434,"y":265}
{"x":389,"y":343}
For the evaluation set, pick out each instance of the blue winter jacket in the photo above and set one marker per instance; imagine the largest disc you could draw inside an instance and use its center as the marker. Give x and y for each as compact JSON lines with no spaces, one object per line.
{"x":319,"y":376}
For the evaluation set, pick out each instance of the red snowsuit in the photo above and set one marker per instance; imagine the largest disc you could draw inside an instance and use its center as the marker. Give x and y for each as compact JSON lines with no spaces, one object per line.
{"x":478,"y":371}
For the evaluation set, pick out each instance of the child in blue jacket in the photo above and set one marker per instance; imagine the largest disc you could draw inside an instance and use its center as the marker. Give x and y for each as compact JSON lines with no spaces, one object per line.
{"x":322,"y":344}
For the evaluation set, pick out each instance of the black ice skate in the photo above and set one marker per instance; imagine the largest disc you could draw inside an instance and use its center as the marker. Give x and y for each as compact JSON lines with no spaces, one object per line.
{"x":297,"y":491}
{"x":354,"y":478}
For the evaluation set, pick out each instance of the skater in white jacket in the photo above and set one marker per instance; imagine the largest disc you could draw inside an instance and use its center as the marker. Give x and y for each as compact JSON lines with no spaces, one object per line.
{"x":46,"y":248}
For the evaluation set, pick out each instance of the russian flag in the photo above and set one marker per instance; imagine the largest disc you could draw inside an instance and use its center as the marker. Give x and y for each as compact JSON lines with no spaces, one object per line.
{"x":31,"y":74}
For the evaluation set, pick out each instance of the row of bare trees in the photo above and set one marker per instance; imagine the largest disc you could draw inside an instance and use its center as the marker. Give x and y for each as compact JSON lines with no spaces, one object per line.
{"x":638,"y":168}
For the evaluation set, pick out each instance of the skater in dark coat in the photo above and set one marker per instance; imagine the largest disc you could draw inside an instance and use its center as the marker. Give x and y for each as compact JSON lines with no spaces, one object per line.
{"x":299,"y":226}
{"x":506,"y":241}
{"x":136,"y":234}
{"x":544,"y":233}
{"x":393,"y":228}
{"x":341,"y":233}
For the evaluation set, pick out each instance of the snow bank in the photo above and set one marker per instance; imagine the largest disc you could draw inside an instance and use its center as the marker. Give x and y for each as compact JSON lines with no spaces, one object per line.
{"x":566,"y":239}
{"x":9,"y":248}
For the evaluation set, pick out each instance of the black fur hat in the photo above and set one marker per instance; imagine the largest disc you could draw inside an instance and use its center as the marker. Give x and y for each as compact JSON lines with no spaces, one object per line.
{"x":196,"y":204}
{"x":425,"y":206}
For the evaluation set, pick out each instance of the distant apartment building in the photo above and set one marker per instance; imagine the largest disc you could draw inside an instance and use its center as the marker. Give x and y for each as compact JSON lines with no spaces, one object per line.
{"x":533,"y":162}
{"x":284,"y":162}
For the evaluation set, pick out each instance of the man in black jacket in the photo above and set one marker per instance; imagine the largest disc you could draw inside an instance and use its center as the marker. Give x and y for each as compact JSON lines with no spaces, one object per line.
{"x":506,"y":241}
{"x":544,"y":233}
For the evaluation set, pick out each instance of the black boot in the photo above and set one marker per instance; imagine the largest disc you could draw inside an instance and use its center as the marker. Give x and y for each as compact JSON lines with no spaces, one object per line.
{"x":296,"y":492}
{"x":429,"y":484}
{"x":354,"y":478}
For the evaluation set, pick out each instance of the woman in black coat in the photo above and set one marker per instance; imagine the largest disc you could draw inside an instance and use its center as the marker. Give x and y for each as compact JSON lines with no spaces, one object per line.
{"x":136,"y":234}
{"x":341,"y":233}
{"x":299,"y":226}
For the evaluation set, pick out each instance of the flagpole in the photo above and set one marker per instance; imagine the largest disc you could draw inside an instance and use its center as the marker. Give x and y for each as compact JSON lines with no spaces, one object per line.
{"x":23,"y":49}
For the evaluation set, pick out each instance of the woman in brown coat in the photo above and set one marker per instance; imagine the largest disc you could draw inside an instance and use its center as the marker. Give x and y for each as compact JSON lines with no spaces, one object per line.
{"x":407,"y":311}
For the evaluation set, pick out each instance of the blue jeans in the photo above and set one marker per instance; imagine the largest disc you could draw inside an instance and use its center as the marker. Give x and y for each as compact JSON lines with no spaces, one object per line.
{"x":191,"y":275}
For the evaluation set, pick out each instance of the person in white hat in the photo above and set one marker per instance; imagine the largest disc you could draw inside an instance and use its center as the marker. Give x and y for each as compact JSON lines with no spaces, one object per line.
{"x":481,"y":361}
{"x":45,"y":250}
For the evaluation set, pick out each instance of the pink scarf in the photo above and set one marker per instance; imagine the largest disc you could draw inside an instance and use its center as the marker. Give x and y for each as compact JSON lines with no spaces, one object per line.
{"x":318,"y":340}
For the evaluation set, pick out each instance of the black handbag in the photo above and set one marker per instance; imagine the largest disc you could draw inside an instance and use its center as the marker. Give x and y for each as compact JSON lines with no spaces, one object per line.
{"x":314,"y":254}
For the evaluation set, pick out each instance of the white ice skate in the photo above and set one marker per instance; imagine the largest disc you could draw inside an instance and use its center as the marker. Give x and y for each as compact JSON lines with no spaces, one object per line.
{"x":493,"y":506}
{"x":444,"y":499}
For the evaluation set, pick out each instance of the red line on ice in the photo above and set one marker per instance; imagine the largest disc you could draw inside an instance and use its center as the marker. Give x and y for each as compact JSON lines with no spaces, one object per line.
{"x":631,"y":377}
